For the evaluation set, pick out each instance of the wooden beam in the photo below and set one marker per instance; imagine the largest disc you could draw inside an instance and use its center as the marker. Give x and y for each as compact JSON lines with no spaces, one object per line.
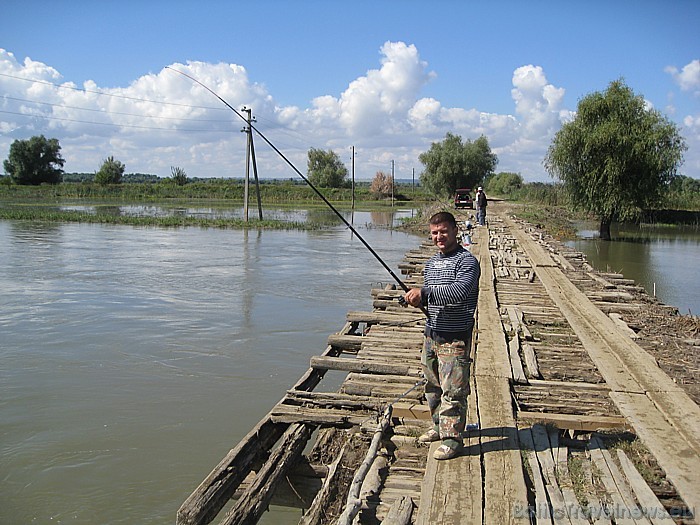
{"x":257,"y":498}
{"x":575,"y":422}
{"x":362,"y":365}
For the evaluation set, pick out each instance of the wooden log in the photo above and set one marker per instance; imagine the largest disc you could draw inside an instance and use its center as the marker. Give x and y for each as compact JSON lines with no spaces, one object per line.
{"x":400,"y":512}
{"x":315,"y":513}
{"x":377,"y":389}
{"x":605,"y":284}
{"x":353,"y":504}
{"x":360,"y":365}
{"x":372,"y":483}
{"x":256,"y":499}
{"x":610,"y":297}
{"x":409,"y":316}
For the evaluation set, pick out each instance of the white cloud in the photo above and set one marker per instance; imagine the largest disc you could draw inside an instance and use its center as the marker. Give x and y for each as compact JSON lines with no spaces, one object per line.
{"x":536,"y":102}
{"x":164,"y":119}
{"x":687,"y":78}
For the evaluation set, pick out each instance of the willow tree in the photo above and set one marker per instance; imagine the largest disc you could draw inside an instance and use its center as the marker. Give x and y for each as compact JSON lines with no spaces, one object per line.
{"x":453,"y":164}
{"x":616,"y":156}
{"x":35,"y":161}
{"x":325,"y":169}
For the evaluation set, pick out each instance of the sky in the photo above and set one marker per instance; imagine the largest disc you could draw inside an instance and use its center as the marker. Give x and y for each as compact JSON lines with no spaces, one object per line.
{"x":387,"y":78}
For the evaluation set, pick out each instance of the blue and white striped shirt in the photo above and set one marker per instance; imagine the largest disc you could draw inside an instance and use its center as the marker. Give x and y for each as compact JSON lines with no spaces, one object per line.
{"x":451,"y":291}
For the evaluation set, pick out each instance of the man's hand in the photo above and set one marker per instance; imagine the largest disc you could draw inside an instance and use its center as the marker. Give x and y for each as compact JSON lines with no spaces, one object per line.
{"x":412,"y":297}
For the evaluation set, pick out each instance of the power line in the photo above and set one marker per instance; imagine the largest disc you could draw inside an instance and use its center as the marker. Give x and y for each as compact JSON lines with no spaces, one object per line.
{"x":62,"y":86}
{"x":107,"y":112}
{"x":116,"y":125}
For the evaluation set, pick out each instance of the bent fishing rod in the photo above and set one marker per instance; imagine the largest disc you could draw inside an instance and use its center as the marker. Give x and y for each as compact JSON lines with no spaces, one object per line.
{"x":403,"y":285}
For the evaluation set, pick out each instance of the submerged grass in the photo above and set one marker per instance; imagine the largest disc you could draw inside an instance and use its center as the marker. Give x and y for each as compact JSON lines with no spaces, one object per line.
{"x":44,"y":215}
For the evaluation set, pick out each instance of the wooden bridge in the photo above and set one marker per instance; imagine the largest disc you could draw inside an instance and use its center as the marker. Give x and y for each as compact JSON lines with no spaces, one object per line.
{"x":560,"y":387}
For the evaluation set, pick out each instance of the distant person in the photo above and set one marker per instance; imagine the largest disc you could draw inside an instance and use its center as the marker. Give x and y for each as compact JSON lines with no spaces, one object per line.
{"x":450,"y":294}
{"x":481,"y":203}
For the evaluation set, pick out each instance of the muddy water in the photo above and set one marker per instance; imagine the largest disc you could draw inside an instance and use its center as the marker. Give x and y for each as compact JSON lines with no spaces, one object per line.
{"x":133,"y":359}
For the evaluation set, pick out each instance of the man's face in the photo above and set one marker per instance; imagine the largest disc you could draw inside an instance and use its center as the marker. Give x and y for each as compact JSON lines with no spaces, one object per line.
{"x":444,"y":236}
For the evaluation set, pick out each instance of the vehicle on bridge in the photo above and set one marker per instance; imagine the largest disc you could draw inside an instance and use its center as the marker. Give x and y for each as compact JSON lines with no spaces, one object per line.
{"x":463,"y":198}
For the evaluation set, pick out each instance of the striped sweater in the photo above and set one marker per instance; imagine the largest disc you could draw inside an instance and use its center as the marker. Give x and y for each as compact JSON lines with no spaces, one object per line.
{"x":451,"y":290}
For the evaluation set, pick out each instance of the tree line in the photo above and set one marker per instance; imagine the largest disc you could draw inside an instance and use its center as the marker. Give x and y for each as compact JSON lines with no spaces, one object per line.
{"x":615,"y":158}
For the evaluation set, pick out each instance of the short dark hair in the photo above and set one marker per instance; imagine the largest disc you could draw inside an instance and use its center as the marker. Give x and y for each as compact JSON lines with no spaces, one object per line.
{"x":443,"y":216}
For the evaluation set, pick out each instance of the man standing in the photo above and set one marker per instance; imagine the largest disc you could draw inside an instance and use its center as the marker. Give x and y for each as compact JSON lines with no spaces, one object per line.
{"x":450,"y":294}
{"x":481,"y":204}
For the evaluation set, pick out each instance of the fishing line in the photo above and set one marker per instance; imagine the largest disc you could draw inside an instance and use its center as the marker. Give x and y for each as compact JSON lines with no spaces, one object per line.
{"x":296,"y":170}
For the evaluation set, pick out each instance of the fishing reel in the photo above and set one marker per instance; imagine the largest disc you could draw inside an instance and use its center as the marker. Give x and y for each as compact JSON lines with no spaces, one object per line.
{"x":402,"y":301}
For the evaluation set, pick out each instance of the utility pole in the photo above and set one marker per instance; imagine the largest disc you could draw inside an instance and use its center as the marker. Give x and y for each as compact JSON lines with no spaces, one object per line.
{"x":247,"y":164}
{"x":250,"y":152}
{"x":353,"y":177}
{"x":413,"y":181}
{"x":392,"y":183}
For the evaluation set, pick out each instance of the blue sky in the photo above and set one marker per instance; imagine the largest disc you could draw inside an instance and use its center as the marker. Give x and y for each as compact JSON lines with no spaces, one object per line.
{"x":387,"y":77}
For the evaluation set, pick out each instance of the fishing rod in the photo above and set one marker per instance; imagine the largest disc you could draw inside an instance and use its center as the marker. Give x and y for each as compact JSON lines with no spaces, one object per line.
{"x":307,"y":181}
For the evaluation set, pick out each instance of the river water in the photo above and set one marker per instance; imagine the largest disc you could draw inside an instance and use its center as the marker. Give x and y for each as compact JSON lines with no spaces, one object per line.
{"x":664,"y":260}
{"x":133,"y":359}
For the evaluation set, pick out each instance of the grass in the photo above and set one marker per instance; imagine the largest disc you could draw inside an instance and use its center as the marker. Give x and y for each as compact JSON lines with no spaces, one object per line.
{"x":39,"y":214}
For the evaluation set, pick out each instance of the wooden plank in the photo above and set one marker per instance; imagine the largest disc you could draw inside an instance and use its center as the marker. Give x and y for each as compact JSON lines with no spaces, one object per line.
{"x":515,"y":364}
{"x":408,"y":410}
{"x":561,"y":463}
{"x":596,"y":508}
{"x":623,"y":502}
{"x":451,"y":491}
{"x":504,"y":481}
{"x":679,"y":460}
{"x":531,"y":364}
{"x":318,"y":416}
{"x":648,"y":502}
{"x":409,"y":316}
{"x":575,"y":385}
{"x":545,"y":458}
{"x":575,"y":422}
{"x":542,"y":507}
{"x":314,"y":514}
